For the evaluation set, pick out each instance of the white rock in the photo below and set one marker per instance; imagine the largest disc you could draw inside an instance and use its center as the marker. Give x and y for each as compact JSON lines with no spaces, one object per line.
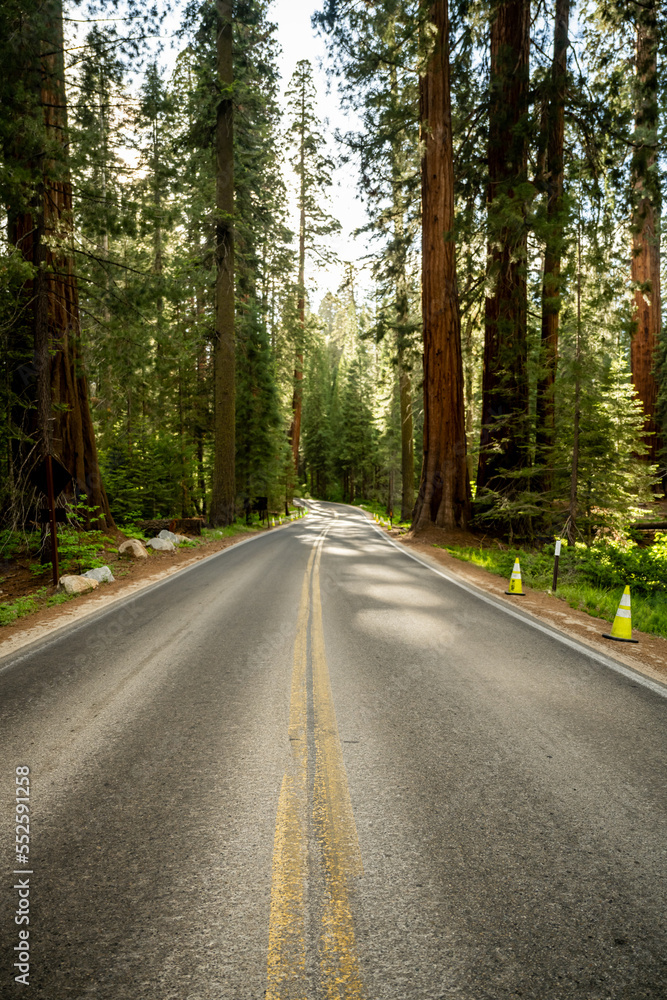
{"x":161,"y":545}
{"x":169,"y":536}
{"x":133,"y":548}
{"x":77,"y":584}
{"x":182,"y":538}
{"x":101,"y":573}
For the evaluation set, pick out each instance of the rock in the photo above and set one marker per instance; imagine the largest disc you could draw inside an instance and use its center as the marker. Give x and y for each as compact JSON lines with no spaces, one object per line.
{"x":183,"y":538}
{"x":102,"y":574}
{"x":169,"y":536}
{"x":77,"y":584}
{"x":161,"y":545}
{"x":133,"y":548}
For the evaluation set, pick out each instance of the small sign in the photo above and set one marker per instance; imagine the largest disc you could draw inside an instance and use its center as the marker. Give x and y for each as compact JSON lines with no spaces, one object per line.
{"x":558,"y":546}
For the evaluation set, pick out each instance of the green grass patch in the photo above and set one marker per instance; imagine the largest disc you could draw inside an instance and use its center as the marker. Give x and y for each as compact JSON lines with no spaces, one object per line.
{"x":590,"y":578}
{"x":375,"y":507}
{"x":10,"y":611}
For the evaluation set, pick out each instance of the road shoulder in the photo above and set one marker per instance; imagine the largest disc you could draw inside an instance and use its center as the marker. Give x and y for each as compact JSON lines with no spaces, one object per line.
{"x":648,"y":657}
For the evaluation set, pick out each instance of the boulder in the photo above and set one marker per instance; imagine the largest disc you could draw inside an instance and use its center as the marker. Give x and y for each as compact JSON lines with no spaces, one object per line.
{"x":169,"y":536}
{"x":133,"y":548}
{"x":161,"y":544}
{"x":77,"y":584}
{"x":101,"y":573}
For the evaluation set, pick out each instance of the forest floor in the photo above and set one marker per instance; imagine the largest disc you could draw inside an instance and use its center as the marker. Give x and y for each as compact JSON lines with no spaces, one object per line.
{"x":131,"y":575}
{"x":649,"y":656}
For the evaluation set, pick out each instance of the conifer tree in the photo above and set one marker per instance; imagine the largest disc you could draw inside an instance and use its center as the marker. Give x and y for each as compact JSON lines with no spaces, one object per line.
{"x":54,"y":414}
{"x":313,"y":174}
{"x":223,"y":498}
{"x":646,"y":210}
{"x":553,"y":181}
{"x":444,"y":492}
{"x":504,"y":436}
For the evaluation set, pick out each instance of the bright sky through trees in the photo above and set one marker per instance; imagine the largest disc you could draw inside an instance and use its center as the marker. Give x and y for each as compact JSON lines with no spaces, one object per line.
{"x":298,"y":41}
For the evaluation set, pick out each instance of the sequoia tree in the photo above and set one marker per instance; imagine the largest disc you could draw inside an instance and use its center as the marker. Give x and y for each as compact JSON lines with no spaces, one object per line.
{"x":444,"y":492}
{"x":52,"y":403}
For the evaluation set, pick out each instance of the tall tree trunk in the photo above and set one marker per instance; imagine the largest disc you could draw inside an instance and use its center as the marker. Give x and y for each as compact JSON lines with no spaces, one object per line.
{"x":223,"y":507}
{"x":555,"y":127}
{"x":444,"y":492}
{"x":61,"y":420}
{"x":646,"y":223}
{"x":504,"y":436}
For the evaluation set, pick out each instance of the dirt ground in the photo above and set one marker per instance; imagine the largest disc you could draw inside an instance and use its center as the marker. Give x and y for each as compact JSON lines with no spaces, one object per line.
{"x":131,"y":575}
{"x":649,"y":656}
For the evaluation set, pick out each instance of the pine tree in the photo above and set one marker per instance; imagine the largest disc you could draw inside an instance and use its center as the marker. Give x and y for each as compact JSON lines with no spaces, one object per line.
{"x":553,"y":181}
{"x":504,"y":437}
{"x":313,"y":173}
{"x":223,"y":508}
{"x":646,"y":206}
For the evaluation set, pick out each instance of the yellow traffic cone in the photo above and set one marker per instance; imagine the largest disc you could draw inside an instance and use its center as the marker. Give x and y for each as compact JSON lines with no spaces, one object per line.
{"x":516,"y":590}
{"x":621,"y":630}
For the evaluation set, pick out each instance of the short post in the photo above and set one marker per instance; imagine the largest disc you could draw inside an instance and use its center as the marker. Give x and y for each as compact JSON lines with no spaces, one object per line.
{"x":556,"y":558}
{"x":52,"y":513}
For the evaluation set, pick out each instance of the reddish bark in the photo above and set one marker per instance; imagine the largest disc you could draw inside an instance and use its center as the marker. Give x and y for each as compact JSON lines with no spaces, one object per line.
{"x":444,"y":492}
{"x":60,"y":420}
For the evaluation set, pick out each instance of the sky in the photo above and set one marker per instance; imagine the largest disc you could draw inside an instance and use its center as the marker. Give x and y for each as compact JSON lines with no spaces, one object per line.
{"x":298,"y":41}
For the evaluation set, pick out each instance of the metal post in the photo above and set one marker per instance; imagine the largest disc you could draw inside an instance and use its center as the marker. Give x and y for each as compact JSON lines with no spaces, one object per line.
{"x":52,"y":513}
{"x":557,"y":557}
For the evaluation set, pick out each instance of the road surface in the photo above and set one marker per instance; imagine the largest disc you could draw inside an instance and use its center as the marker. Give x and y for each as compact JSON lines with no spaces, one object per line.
{"x":310,"y":768}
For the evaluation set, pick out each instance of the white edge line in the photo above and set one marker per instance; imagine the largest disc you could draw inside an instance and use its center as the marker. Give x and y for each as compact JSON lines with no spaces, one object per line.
{"x":526,"y":617}
{"x":9,"y":660}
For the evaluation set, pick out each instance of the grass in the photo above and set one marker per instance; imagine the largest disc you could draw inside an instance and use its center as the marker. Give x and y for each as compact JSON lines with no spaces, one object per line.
{"x":590,"y":579}
{"x":375,"y":507}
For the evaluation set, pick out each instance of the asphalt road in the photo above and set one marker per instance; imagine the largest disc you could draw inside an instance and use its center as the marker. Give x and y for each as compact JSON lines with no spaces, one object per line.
{"x":310,"y":768}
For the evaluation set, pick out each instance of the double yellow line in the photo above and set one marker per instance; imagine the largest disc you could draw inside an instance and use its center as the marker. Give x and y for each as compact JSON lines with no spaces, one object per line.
{"x":316,"y":848}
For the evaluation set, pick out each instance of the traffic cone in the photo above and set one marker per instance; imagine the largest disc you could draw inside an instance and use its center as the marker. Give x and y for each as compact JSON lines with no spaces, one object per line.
{"x":516,"y":590}
{"x":621,"y":630}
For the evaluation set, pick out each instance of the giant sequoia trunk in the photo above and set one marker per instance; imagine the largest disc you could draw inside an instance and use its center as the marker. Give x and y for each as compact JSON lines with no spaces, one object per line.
{"x":504,"y":436}
{"x":223,"y":499}
{"x":555,"y":128}
{"x":54,"y":411}
{"x":444,"y":493}
{"x":646,"y":224}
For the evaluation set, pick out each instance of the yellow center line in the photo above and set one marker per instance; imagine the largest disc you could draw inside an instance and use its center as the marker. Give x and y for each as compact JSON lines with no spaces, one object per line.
{"x":336,"y":851}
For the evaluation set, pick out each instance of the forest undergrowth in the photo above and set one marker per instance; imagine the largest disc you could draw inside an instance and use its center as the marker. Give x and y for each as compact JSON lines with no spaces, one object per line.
{"x":591,"y":578}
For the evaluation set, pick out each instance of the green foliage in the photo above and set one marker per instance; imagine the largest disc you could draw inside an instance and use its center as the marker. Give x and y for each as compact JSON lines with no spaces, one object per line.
{"x":590,"y":577}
